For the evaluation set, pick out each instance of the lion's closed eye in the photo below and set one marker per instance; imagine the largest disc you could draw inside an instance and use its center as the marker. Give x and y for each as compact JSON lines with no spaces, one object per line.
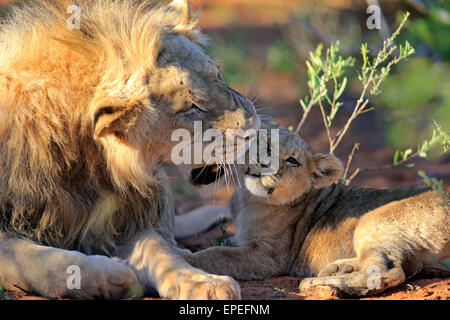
{"x":196,"y":106}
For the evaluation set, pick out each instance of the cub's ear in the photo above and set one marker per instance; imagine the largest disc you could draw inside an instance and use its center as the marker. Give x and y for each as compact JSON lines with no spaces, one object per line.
{"x":327,"y":169}
{"x":117,"y":120}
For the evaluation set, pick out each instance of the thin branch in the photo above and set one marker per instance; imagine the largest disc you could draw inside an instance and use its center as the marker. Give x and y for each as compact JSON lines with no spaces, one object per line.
{"x":324,"y":117}
{"x":350,"y":179}
{"x":362,"y":102}
{"x":356,"y":112}
{"x":388,"y":166}
{"x":349,"y":161}
{"x":304,"y":116}
{"x":358,"y":107}
{"x":333,"y":103}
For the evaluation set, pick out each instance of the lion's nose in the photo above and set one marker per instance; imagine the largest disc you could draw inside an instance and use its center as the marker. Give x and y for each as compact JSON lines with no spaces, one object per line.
{"x":252,"y":172}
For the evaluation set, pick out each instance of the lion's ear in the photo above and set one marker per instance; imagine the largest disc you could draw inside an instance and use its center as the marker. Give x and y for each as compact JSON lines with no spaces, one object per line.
{"x":117,"y":120}
{"x":185,"y":22}
{"x":327,"y":169}
{"x":184,"y":8}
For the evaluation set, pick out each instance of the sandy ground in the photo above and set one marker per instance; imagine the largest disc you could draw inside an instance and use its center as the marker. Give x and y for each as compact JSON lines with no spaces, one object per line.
{"x":286,"y":288}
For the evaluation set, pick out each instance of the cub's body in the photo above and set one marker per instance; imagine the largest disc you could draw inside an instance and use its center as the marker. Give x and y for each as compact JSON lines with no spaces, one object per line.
{"x":358,"y":241}
{"x":344,"y":222}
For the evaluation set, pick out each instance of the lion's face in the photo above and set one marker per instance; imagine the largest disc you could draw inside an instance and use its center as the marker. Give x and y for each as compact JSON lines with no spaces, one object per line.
{"x":299,"y":171}
{"x":196,"y":92}
{"x":160,"y":82}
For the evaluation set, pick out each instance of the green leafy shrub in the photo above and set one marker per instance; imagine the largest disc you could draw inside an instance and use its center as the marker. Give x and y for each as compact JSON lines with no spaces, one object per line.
{"x":326,"y":85}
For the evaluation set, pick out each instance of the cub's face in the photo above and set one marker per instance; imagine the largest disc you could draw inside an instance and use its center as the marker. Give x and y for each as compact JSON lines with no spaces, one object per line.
{"x":299,"y":171}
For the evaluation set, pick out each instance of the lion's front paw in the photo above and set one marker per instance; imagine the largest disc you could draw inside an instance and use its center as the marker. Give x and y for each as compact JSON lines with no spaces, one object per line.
{"x":204,"y":287}
{"x":105,"y":278}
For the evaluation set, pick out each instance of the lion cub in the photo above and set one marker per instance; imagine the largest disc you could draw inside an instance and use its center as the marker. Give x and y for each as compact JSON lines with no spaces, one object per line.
{"x":297,"y":221}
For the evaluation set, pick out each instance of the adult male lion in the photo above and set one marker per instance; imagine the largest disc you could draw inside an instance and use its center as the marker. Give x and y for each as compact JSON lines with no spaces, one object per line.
{"x":86,"y":117}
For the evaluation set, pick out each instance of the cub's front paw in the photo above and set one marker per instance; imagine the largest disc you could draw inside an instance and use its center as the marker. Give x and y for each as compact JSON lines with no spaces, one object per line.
{"x":199,"y":286}
{"x":315,"y":288}
{"x":339,"y":267}
{"x":92,"y":277}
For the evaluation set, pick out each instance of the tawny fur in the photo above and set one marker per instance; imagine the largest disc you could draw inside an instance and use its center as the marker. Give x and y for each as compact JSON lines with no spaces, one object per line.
{"x":299,"y":222}
{"x":86,"y":117}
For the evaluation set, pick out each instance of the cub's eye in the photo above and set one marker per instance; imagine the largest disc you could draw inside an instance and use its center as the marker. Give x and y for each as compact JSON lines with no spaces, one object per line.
{"x":292,"y":162}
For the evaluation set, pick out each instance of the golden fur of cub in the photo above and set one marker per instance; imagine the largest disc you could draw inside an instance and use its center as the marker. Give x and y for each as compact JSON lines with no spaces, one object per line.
{"x":299,"y":222}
